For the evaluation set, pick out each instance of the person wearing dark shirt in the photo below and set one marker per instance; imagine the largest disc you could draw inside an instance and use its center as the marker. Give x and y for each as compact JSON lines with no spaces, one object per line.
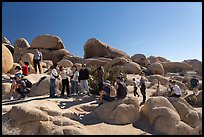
{"x":194,"y":84}
{"x":83,"y":79}
{"x":143,"y":87}
{"x":100,"y":73}
{"x":121,"y":88}
{"x":108,"y":93}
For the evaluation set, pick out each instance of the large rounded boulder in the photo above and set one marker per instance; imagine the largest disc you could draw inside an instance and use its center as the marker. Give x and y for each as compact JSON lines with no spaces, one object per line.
{"x":132,"y":68}
{"x":95,"y":48}
{"x":176,"y":67}
{"x":140,"y":59}
{"x":187,"y":113}
{"x":7,"y":59}
{"x":21,"y":43}
{"x":156,"y":68}
{"x":65,"y":63}
{"x":123,"y":111}
{"x":28,"y":57}
{"x":164,"y":118}
{"x":152,"y":59}
{"x":117,"y":61}
{"x":47,"y":42}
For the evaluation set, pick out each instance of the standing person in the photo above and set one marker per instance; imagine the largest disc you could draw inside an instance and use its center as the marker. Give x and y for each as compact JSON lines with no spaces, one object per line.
{"x":194,"y":84}
{"x":25,"y":68}
{"x":36,"y":60}
{"x":74,"y":80}
{"x":100,"y":73}
{"x":143,"y":87}
{"x":135,"y":87}
{"x":53,"y":76}
{"x":176,"y":90}
{"x":121,"y":88}
{"x":83,"y":78}
{"x":65,"y":81}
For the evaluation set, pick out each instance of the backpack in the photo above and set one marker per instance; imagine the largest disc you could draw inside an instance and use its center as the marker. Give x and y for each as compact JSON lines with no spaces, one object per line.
{"x":37,"y":56}
{"x":28,"y":83}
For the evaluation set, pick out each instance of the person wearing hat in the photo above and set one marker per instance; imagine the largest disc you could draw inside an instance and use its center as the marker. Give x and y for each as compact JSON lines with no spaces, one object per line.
{"x":20,"y":86}
{"x":108,"y":93}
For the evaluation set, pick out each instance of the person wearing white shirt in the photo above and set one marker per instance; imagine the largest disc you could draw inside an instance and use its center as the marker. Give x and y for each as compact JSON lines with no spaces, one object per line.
{"x":74,"y":80}
{"x":135,"y":87}
{"x":176,"y":90}
{"x":53,"y":76}
{"x":65,"y":80}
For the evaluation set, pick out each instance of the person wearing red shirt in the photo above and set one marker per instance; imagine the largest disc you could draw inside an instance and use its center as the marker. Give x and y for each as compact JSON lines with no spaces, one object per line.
{"x":25,"y":68}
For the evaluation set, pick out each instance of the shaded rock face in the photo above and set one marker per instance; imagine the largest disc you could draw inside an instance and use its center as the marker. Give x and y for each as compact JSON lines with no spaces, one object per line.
{"x":176,"y":67}
{"x":132,"y":68}
{"x":95,"y":48}
{"x":195,"y":101}
{"x":5,"y":41}
{"x":196,"y":64}
{"x":124,"y":111}
{"x":153,"y":59}
{"x":156,"y":68}
{"x":164,"y":118}
{"x":11,"y":48}
{"x":47,"y":42}
{"x":7,"y":59}
{"x":140,"y":59}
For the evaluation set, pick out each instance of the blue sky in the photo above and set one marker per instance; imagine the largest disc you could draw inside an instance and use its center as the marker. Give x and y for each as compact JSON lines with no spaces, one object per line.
{"x":170,"y":30}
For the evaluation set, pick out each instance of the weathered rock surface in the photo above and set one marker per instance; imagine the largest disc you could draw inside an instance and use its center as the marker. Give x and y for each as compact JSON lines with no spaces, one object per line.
{"x":95,"y":48}
{"x":7,"y":59}
{"x":119,"y":111}
{"x":47,"y":42}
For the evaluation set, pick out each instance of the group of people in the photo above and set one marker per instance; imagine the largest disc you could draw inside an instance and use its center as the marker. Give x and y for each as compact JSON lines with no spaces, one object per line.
{"x":73,"y":76}
{"x":107,"y":91}
{"x":19,"y":84}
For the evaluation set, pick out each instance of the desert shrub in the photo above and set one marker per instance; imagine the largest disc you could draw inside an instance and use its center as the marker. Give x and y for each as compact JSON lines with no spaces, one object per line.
{"x":109,"y":74}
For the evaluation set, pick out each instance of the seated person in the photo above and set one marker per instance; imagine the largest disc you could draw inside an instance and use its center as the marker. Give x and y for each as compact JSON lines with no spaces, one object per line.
{"x":20,"y":86}
{"x":108,"y":93}
{"x":176,"y":90}
{"x":121,"y":88}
